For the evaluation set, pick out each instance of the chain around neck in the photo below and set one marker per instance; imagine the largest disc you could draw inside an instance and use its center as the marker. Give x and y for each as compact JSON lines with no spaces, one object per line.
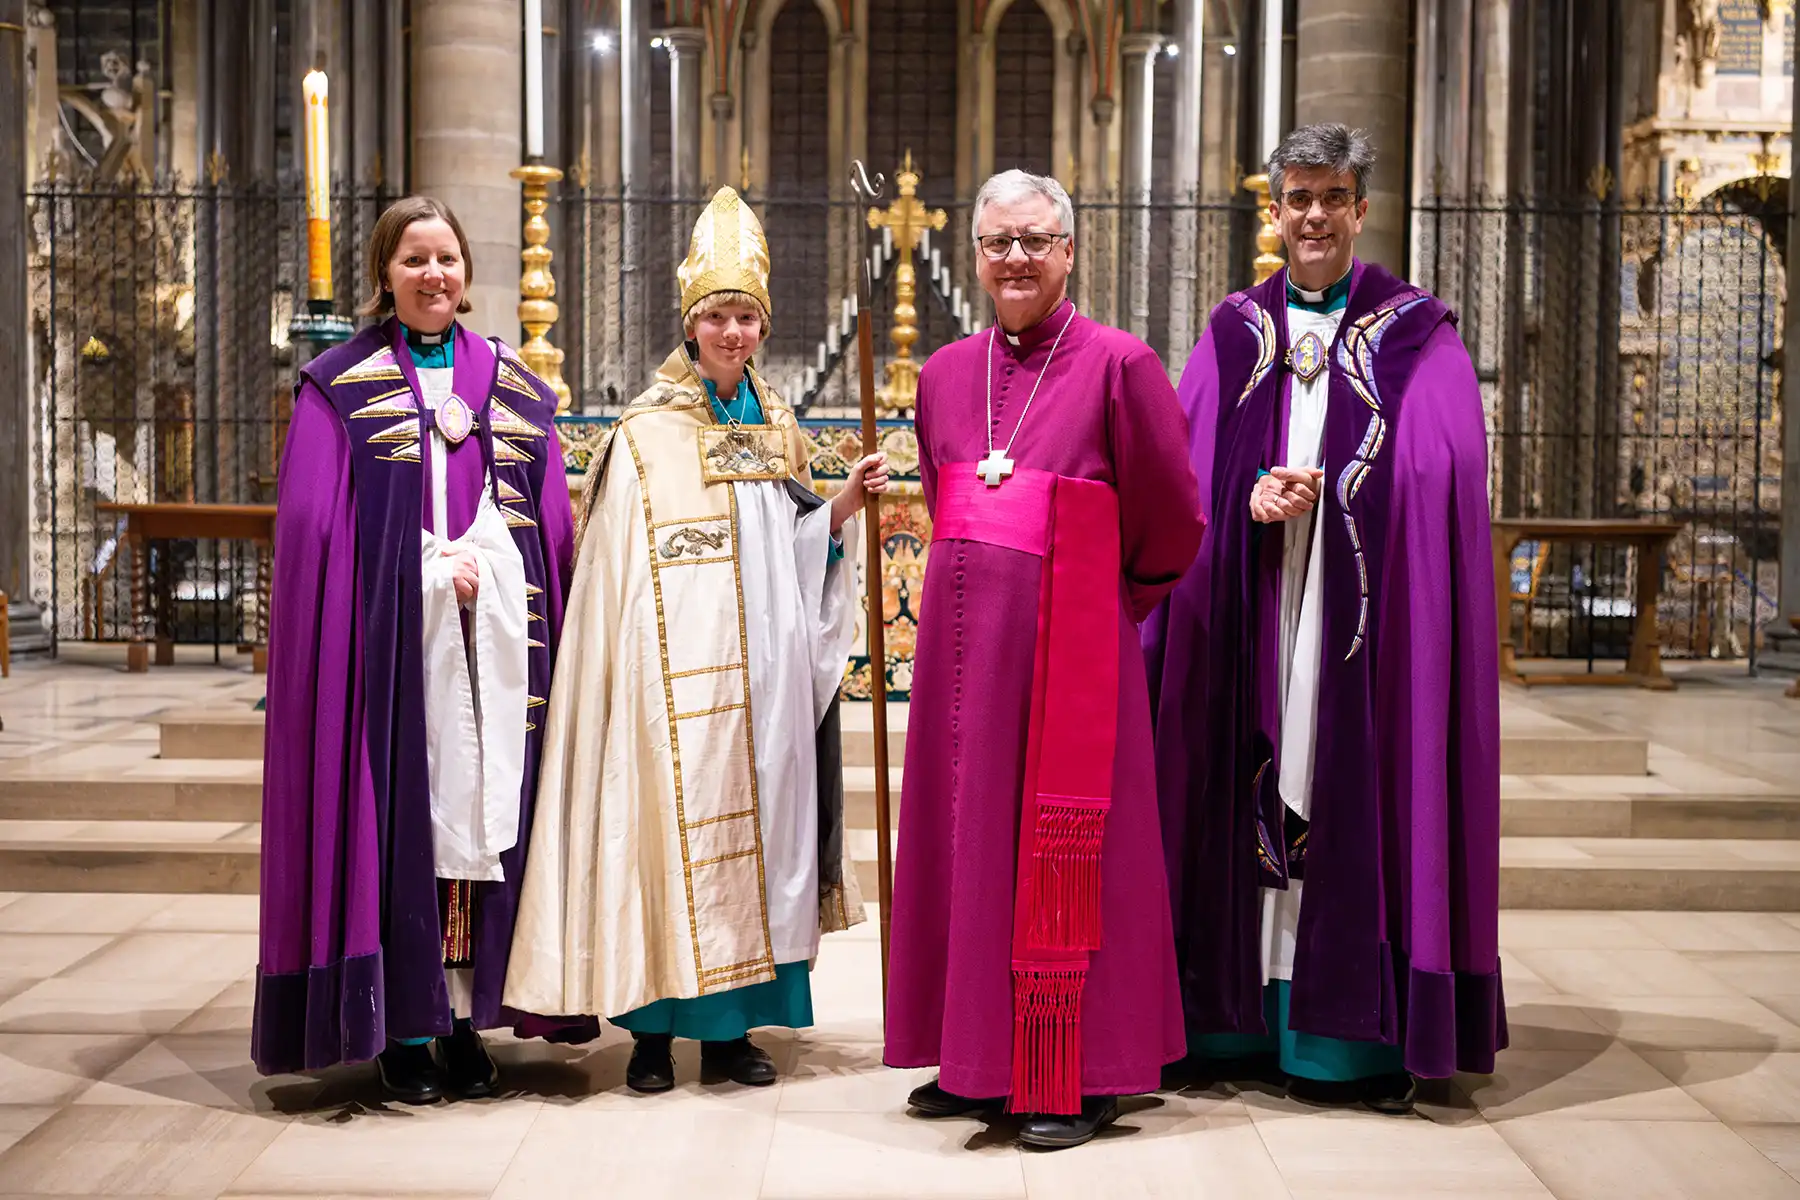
{"x":993,"y":332}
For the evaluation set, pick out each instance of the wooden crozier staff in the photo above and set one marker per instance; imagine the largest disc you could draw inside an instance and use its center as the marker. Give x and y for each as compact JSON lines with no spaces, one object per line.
{"x":867,"y":192}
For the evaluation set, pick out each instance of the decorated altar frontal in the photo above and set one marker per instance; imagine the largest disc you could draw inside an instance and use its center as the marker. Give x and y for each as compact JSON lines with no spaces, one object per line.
{"x":905,"y":526}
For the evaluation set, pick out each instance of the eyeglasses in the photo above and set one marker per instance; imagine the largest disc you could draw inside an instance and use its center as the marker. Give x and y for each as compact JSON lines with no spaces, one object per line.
{"x":1036,"y":245}
{"x":1335,"y":200}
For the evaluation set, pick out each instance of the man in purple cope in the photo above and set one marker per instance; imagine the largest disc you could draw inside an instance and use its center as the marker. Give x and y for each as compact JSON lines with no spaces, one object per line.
{"x":1031,"y":956}
{"x":1326,"y":678}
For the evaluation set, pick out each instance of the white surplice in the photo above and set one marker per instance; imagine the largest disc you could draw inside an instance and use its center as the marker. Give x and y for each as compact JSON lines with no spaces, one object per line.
{"x":1302,"y":633}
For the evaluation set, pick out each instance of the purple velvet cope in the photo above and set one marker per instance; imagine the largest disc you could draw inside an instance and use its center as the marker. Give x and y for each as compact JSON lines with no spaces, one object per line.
{"x":1398,"y":939}
{"x":351,"y":943}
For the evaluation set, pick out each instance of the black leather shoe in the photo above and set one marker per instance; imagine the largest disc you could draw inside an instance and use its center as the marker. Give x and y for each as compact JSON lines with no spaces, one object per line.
{"x":410,"y":1074}
{"x":469,"y":1071}
{"x":931,"y":1100}
{"x":652,"y":1067}
{"x":741,"y":1061}
{"x":1391,"y":1095}
{"x":1059,"y":1132}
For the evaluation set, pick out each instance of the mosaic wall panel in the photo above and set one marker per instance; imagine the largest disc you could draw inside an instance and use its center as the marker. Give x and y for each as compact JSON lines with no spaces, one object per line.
{"x":905,"y":529}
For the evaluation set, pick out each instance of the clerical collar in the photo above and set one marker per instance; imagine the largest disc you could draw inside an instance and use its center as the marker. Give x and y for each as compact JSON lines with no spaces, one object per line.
{"x":1332,"y":299}
{"x":420,"y":340}
{"x":1036,"y":335}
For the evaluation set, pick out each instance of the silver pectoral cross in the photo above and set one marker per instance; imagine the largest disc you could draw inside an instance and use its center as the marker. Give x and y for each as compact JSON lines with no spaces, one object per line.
{"x":995,"y":467}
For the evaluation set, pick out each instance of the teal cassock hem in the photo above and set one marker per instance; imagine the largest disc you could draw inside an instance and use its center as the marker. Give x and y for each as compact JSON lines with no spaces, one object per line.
{"x":1305,"y":1055}
{"x":785,"y":1000}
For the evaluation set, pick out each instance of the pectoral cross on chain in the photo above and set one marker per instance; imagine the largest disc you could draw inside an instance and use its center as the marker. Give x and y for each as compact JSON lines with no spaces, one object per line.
{"x":995,"y":467}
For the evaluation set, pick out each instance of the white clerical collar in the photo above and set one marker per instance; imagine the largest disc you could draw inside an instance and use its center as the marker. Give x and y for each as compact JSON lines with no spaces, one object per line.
{"x":1012,"y":339}
{"x":1317,"y":297}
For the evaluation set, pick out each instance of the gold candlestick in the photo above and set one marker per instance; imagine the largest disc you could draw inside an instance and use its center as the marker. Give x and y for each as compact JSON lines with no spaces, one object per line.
{"x":909,"y":219}
{"x":537,"y":309}
{"x":1267,"y":239}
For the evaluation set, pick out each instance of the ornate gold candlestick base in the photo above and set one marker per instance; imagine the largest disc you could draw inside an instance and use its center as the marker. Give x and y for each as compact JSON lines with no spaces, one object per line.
{"x":1268,"y":241}
{"x":537,"y":309}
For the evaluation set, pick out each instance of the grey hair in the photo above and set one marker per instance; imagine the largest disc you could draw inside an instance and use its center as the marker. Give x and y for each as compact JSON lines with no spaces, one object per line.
{"x":1015,"y":185}
{"x":1335,"y":147}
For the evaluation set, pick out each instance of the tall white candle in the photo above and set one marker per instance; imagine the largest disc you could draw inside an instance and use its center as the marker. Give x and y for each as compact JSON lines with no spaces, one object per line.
{"x":822,"y":358}
{"x":834,"y":337}
{"x":534,"y":78}
{"x":935,"y":266}
{"x":956,"y":298}
{"x":887,"y":242}
{"x":318,"y":185}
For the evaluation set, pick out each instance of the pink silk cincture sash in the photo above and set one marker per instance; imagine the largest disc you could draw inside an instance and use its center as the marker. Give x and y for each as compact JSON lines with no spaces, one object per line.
{"x":1073,"y":524}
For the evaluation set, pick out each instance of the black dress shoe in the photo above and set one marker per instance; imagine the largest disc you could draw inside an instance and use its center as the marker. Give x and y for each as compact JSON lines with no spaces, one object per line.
{"x":1059,"y":1132}
{"x":410,"y":1074}
{"x":470,"y":1072}
{"x":931,"y":1100}
{"x":652,"y":1067}
{"x":1391,"y":1095}
{"x":741,"y":1061}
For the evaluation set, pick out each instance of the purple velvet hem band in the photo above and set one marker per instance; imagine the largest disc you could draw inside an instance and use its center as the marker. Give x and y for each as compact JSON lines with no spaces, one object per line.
{"x":335,"y":1010}
{"x":1455,"y":1021}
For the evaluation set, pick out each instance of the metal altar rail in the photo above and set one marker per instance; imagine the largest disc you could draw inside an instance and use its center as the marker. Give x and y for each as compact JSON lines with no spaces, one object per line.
{"x":161,"y":370}
{"x":1627,"y":352}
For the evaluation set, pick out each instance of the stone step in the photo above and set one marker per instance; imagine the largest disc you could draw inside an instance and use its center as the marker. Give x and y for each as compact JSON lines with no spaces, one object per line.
{"x":1671,"y":874}
{"x":1530,"y":743}
{"x":1679,"y":875}
{"x":153,"y":789}
{"x":178,"y":857}
{"x":211,"y":734}
{"x":1602,"y":874}
{"x":1674,"y":815}
{"x":1525,"y":810}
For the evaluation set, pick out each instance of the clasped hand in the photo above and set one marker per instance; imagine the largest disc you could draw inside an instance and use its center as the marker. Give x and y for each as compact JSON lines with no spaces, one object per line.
{"x":1284,"y":493}
{"x":465,"y":573}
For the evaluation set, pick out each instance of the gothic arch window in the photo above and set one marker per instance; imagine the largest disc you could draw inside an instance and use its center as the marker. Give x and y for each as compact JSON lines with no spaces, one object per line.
{"x":913,"y":60}
{"x":1024,"y":89}
{"x":913,"y":57}
{"x":796,"y":213}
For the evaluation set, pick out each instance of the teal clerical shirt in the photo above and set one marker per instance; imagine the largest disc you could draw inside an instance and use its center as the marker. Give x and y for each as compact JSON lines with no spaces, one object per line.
{"x":744,"y":407}
{"x":440,"y":352}
{"x":1332,"y":299}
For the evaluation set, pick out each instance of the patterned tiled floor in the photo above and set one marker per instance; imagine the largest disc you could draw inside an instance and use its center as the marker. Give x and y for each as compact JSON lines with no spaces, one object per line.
{"x":1654,"y":1054}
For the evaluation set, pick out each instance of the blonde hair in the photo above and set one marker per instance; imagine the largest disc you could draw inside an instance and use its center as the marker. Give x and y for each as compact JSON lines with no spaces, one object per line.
{"x":717,"y":300}
{"x":384,"y":243}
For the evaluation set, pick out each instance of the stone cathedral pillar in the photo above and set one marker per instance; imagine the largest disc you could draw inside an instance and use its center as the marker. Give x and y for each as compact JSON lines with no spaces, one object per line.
{"x":1350,"y":65}
{"x":1138,"y":53}
{"x":468,"y":67}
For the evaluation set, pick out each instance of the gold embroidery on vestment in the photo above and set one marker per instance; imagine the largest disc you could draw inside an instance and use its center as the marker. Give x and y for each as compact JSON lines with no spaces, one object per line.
{"x":742,"y":453}
{"x":690,"y":540}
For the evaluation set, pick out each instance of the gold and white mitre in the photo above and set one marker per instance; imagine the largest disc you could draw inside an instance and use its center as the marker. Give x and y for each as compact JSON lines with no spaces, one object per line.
{"x":728,"y":253}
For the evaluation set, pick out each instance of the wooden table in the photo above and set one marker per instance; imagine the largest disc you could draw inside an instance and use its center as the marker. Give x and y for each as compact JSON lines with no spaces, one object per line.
{"x":146,"y":523}
{"x":1643,"y":667}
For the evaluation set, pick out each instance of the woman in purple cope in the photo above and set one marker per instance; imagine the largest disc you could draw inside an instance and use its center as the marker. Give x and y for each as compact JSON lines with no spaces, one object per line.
{"x":422,"y":541}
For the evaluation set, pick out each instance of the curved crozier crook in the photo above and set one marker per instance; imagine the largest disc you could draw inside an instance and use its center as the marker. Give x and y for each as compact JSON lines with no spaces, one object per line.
{"x":860,"y":182}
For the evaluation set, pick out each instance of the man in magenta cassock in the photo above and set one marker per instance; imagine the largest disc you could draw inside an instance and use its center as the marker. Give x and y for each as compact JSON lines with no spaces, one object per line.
{"x":1325,"y":677}
{"x":1032,"y":959}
